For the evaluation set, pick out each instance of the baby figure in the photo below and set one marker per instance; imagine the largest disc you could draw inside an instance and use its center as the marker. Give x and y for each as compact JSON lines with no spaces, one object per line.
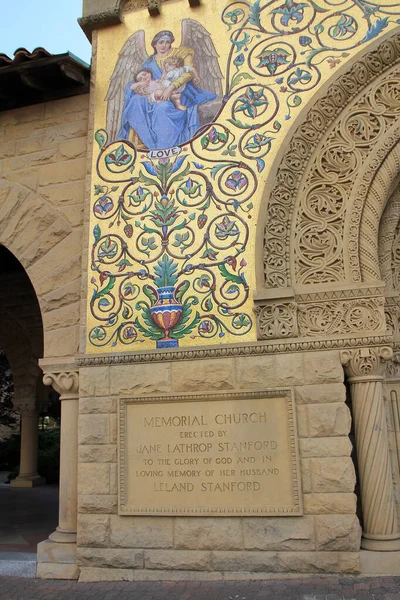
{"x":174,"y":67}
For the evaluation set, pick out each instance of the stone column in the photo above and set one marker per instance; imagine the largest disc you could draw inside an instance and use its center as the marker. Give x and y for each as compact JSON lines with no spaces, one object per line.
{"x":365,"y":368}
{"x":56,"y":556}
{"x":28,"y":474}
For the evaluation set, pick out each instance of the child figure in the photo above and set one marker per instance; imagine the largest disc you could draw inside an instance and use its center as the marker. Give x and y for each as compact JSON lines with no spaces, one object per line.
{"x":174,"y":67}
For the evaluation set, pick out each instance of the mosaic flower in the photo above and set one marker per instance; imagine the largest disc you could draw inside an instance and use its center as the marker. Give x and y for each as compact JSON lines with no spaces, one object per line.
{"x":206,"y":326}
{"x":300,"y":76}
{"x":290,"y":11}
{"x":236,"y":181}
{"x":108,"y":248}
{"x":273,"y":58}
{"x":226,"y":228}
{"x":118,"y":157}
{"x":343,"y":27}
{"x":210,"y":254}
{"x":213,"y":135}
{"x":239,"y":60}
{"x":305,"y":40}
{"x":129,"y":333}
{"x":234,"y":16}
{"x":251,"y":101}
{"x":257,"y":141}
{"x":103,"y":205}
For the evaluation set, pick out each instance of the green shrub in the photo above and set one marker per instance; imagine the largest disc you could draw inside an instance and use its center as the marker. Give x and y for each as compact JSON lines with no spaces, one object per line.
{"x":48,"y":455}
{"x":9,"y":452}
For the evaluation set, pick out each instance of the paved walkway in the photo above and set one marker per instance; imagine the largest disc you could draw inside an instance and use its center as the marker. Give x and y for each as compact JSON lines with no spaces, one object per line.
{"x":27,"y":516}
{"x":314,"y":588}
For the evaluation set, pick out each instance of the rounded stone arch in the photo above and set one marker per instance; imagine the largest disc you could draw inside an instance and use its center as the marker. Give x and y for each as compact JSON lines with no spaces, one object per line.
{"x":324,"y":187}
{"x":49,"y":250}
{"x":375,"y":225}
{"x":388,"y":241}
{"x":389,"y":261}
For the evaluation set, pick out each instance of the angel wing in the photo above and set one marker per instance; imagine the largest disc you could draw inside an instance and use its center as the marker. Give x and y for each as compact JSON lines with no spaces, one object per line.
{"x":205,"y":56}
{"x":131,"y":58}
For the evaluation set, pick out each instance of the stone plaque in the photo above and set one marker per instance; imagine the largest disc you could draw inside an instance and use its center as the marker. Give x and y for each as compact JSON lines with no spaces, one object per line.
{"x":209,"y":454}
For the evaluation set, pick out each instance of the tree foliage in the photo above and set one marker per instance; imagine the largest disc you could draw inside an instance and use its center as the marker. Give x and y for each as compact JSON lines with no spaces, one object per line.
{"x":8,"y":415}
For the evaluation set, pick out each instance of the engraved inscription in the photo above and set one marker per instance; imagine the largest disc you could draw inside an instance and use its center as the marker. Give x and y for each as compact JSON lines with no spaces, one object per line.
{"x":212,"y":455}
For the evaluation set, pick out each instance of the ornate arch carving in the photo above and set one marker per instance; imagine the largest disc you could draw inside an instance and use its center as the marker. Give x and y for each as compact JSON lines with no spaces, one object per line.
{"x":385,"y":181}
{"x":327,"y":152}
{"x":389,"y":242}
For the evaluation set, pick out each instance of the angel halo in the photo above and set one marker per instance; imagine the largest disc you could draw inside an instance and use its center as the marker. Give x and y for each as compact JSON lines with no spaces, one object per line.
{"x":160,"y":101}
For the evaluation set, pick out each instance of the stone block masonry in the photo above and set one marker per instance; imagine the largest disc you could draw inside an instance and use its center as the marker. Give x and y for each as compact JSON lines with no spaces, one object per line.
{"x":327,"y":536}
{"x":43,"y":165}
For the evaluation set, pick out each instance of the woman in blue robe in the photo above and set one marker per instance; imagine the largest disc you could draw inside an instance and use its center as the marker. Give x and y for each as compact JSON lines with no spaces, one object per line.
{"x":160,"y":124}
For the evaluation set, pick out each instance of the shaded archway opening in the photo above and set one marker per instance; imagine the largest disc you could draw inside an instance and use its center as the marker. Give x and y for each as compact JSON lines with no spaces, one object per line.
{"x":29,"y":510}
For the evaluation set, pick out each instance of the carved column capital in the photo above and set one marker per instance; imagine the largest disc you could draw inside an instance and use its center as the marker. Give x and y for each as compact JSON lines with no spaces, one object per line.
{"x":26,"y":409}
{"x":66,"y":383}
{"x":364,"y":364}
{"x":396,"y":358}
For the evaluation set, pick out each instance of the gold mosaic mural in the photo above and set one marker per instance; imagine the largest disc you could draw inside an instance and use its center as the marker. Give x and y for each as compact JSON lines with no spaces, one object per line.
{"x":189,"y":115}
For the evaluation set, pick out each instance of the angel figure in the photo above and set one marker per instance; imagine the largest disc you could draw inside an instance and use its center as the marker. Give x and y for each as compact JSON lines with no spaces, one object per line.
{"x":150,"y":106}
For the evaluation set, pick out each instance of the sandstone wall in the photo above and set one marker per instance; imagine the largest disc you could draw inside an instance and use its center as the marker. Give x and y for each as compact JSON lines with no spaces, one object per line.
{"x":42,"y":190}
{"x":326,"y":538}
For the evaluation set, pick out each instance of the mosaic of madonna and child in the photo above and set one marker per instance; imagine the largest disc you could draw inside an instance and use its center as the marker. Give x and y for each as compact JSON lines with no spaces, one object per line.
{"x":160,"y":101}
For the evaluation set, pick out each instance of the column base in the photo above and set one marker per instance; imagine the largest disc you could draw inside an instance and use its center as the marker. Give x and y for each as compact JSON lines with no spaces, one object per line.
{"x":379,"y":563}
{"x":390,"y":543}
{"x":61,"y":536}
{"x":56,"y":561}
{"x":27,"y":481}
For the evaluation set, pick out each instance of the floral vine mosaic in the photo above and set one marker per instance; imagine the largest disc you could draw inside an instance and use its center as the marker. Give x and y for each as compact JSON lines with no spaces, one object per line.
{"x":189,"y":137}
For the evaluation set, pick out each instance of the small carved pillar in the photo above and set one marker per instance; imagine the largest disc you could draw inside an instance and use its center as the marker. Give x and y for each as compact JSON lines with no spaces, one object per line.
{"x":28,"y":474}
{"x":365,"y":368}
{"x":66,"y":384}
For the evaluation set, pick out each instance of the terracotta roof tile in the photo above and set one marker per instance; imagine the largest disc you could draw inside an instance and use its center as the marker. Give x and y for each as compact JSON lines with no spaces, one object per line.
{"x":39,"y":76}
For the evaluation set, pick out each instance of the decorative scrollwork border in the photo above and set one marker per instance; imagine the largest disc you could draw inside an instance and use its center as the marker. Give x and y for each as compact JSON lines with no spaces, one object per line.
{"x":255,"y":349}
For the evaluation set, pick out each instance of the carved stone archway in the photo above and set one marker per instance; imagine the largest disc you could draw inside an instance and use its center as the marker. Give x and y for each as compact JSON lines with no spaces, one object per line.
{"x":321,"y":265}
{"x":322,"y":277}
{"x":342,"y":126}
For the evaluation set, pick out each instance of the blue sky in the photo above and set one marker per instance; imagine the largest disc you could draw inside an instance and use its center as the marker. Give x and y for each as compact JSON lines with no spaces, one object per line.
{"x":48,"y":23}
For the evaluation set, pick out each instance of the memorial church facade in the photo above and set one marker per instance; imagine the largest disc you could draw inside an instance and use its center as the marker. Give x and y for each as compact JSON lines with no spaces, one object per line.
{"x":208,"y":242}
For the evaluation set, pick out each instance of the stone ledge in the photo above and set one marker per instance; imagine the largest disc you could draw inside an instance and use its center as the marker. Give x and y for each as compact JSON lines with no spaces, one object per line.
{"x":297,"y":565}
{"x":93,"y":574}
{"x":114,"y":558}
{"x":180,"y":560}
{"x":379,"y":563}
{"x":57,"y":571}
